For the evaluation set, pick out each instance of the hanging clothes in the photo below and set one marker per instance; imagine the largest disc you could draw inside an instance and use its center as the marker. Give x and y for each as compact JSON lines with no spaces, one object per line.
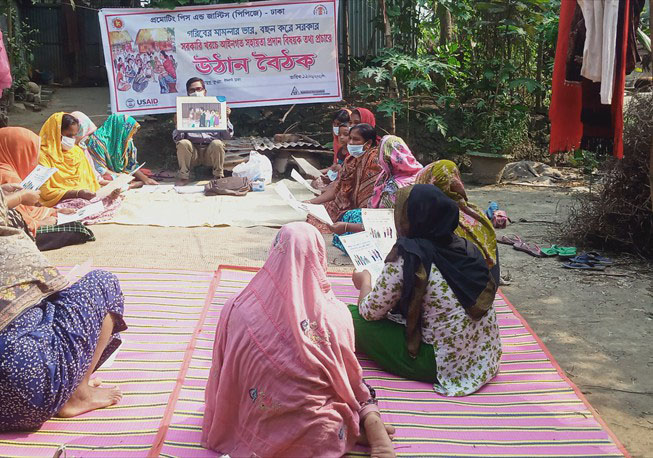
{"x":578,"y":118}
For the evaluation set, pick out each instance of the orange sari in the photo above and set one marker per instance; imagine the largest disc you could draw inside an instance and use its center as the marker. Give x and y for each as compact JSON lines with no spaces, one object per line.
{"x":19,"y":155}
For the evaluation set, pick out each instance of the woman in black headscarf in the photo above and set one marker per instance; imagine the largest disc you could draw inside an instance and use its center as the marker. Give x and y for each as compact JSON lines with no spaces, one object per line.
{"x":438,"y":286}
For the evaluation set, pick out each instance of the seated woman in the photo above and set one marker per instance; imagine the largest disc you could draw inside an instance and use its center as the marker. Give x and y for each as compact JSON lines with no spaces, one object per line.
{"x":399,"y":169}
{"x":112,"y":148}
{"x":473,"y":224}
{"x":19,"y":155}
{"x":86,"y":128}
{"x":355,"y":184}
{"x":285,"y":380}
{"x":52,"y":336}
{"x":75,"y":178}
{"x":438,"y":286}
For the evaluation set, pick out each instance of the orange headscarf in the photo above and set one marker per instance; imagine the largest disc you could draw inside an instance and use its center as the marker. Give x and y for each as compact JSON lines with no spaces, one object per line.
{"x":19,"y":155}
{"x":75,"y":172}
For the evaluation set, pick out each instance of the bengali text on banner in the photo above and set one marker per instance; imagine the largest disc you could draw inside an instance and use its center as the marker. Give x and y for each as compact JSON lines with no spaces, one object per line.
{"x":254,"y":54}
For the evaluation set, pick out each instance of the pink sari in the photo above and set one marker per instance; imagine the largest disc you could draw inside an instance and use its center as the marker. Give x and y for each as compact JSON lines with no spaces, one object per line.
{"x":285,"y":380}
{"x":400,"y":168}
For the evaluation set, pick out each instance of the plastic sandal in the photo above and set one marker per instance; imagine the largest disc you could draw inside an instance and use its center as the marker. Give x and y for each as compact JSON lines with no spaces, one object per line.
{"x":582,"y":266}
{"x":509,"y":239}
{"x":553,"y":251}
{"x":566,"y":251}
{"x":596,"y":257}
{"x":529,"y":247}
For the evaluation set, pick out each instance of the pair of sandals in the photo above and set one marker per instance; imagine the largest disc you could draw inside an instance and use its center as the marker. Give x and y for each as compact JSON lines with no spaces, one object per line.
{"x":534,"y":249}
{"x":518,"y":244}
{"x":590,"y":260}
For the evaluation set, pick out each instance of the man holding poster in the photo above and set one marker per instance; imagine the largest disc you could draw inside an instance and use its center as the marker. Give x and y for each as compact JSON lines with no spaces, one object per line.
{"x":200,"y":148}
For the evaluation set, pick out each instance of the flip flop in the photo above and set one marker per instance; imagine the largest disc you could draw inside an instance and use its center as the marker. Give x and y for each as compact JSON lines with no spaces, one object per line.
{"x":592,"y":258}
{"x":582,"y":266}
{"x":567,"y":251}
{"x":553,"y":251}
{"x":529,"y":247}
{"x":509,"y":239}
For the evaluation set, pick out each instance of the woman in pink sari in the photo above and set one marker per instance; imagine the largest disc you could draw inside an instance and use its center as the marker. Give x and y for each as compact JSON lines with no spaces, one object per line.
{"x":285,"y":380}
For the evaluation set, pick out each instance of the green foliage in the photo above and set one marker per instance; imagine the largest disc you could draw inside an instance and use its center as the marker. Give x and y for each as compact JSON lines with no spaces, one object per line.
{"x":20,"y":47}
{"x":480,"y":90}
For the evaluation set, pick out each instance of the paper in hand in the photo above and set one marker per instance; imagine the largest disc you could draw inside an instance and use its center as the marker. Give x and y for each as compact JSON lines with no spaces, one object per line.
{"x":316,"y":210}
{"x":85,"y":212}
{"x":364,"y":253}
{"x":120,"y":182}
{"x":307,"y":167}
{"x":38,"y":177}
{"x":380,"y":224}
{"x":300,"y":179}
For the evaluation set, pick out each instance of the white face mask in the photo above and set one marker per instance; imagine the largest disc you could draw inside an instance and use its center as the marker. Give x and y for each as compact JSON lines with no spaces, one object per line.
{"x":67,"y":143}
{"x":336,"y":130}
{"x":198,"y":94}
{"x":356,"y":150}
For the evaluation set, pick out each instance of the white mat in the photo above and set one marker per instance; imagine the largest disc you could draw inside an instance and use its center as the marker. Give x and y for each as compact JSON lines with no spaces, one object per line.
{"x":170,"y":209}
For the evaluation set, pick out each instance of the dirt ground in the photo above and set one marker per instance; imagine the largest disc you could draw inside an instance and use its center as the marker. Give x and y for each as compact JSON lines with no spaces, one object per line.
{"x":597,"y":325}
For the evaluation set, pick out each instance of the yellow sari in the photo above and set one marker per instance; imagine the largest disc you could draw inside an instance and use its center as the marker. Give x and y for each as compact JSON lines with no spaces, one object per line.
{"x":75,"y":172}
{"x":473,"y":225}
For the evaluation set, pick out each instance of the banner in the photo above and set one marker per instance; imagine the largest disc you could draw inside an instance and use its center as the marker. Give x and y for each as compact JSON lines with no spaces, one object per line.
{"x":253,"y":54}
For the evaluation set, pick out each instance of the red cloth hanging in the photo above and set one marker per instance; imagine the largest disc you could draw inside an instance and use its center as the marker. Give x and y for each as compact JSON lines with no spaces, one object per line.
{"x":620,"y":81}
{"x":566,"y":99}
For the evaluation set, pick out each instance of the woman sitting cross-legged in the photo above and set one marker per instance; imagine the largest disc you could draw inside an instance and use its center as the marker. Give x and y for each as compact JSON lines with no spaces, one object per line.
{"x":356,"y":179}
{"x":285,"y":380}
{"x":431,"y":315}
{"x":52,"y":336}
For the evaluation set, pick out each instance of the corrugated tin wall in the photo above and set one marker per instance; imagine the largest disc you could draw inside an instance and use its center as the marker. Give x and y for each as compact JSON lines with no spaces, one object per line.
{"x":48,"y":54}
{"x":364,"y":36}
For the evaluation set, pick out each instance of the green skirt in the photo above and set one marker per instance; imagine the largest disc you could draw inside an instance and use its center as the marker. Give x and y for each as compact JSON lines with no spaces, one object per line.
{"x":384,"y":342}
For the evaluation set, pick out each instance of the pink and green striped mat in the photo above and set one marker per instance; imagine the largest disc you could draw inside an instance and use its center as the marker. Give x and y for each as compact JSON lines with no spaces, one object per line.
{"x":530,"y":409}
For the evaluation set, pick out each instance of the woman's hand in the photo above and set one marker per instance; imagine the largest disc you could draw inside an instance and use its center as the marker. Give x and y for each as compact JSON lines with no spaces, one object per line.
{"x":115,"y":194}
{"x":85,"y":194}
{"x":65,"y":211}
{"x":103,"y":182}
{"x":361,"y":279}
{"x":29,"y":197}
{"x":378,"y":436}
{"x":338,"y":228}
{"x":9,"y":188}
{"x":49,"y":221}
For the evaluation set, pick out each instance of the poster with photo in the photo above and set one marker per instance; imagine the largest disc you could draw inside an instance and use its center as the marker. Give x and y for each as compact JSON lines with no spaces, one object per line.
{"x":203,"y":114}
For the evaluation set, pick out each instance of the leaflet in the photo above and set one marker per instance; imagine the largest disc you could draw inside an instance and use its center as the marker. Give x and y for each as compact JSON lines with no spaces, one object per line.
{"x":380,"y":224}
{"x":364,"y":253}
{"x":300,"y":179}
{"x":121,"y":182}
{"x":316,"y":210}
{"x":38,"y":177}
{"x":85,"y":212}
{"x":307,"y":167}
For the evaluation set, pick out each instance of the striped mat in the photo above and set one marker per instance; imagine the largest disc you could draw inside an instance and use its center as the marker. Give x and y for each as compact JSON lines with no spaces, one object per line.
{"x":530,"y":409}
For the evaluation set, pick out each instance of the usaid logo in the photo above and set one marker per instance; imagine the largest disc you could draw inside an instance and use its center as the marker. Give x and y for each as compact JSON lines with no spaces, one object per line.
{"x":147,"y":102}
{"x":131,"y":103}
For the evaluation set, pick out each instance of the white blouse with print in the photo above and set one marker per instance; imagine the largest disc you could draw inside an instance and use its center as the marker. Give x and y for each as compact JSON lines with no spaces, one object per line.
{"x":467,"y":351}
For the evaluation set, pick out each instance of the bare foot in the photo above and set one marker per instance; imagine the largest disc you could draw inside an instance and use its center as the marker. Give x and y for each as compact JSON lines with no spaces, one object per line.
{"x":362,"y":439}
{"x":136,"y":184}
{"x":95,"y":382}
{"x":87,"y":398}
{"x":182,"y":182}
{"x":378,"y":436}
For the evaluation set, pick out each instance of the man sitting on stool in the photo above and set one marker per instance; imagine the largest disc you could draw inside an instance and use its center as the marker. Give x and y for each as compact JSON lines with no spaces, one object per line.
{"x":200,"y":148}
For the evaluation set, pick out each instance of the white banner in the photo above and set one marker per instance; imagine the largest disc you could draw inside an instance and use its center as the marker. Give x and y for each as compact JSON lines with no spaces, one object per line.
{"x":253,"y":54}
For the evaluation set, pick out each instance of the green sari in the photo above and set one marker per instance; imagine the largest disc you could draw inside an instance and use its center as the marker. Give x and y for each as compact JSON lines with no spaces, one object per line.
{"x":112,"y":146}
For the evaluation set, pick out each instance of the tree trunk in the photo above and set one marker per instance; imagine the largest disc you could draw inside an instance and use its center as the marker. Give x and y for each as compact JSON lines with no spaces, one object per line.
{"x":446,"y":24}
{"x":387,"y":33}
{"x":538,"y":75}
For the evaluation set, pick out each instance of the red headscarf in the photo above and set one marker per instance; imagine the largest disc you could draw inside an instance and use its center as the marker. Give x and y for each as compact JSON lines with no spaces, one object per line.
{"x":367,"y":117}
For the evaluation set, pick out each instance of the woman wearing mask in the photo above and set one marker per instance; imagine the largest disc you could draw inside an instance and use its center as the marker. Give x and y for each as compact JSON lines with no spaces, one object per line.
{"x":399,"y":169}
{"x":356,"y":180}
{"x":331,"y":173}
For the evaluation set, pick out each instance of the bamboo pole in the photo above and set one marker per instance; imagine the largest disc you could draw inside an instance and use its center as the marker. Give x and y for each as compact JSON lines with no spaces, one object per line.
{"x":650,"y":157}
{"x":345,"y":5}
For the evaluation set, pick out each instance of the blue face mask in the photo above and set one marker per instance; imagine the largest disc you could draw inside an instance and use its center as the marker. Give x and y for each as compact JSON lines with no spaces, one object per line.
{"x":332,"y":174}
{"x":356,"y":150}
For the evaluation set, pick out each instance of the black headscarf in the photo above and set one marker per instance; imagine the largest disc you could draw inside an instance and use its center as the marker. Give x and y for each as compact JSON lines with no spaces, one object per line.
{"x":432,"y":219}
